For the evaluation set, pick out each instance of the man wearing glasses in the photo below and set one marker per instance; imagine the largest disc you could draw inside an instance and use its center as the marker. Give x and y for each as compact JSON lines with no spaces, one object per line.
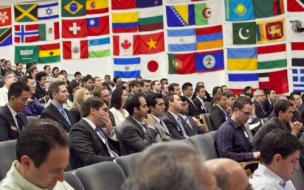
{"x":231,"y":139}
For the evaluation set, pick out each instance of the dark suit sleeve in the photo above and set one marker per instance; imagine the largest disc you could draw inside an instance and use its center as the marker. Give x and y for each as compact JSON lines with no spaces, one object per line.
{"x":173,"y":129}
{"x":4,"y":133}
{"x":217,"y":118}
{"x":257,"y":139}
{"x":132,"y":138}
{"x":82,"y":146}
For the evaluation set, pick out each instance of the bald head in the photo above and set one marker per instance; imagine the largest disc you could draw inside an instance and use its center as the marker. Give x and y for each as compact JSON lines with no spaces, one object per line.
{"x":229,"y":174}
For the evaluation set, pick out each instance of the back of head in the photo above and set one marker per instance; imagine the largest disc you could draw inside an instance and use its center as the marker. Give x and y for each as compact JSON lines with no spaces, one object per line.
{"x":92,"y":102}
{"x":278,"y":142}
{"x":173,"y":165}
{"x":280,"y":105}
{"x":38,"y":139}
{"x":16,"y":89}
{"x":133,"y":102}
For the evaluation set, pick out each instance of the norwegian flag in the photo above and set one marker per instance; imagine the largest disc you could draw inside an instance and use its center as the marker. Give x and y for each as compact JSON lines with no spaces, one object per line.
{"x":26,"y":33}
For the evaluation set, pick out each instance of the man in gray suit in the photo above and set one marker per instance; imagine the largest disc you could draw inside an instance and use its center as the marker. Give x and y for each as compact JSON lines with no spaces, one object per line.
{"x":157,"y":108}
{"x":138,"y":130}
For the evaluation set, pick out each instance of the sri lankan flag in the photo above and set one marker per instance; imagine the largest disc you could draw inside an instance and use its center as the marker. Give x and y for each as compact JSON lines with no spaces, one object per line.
{"x":49,"y":53}
{"x":26,"y":12}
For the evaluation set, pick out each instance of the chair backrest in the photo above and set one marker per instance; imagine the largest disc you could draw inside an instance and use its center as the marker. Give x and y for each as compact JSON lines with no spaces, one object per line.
{"x":298,"y":179}
{"x":204,"y":145}
{"x":127,"y":162}
{"x":101,"y":176}
{"x":71,"y":178}
{"x":8,"y":155}
{"x":206,"y":118}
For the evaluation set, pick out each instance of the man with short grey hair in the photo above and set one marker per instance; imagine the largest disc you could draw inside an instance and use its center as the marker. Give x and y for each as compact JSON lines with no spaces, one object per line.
{"x":171,"y":165}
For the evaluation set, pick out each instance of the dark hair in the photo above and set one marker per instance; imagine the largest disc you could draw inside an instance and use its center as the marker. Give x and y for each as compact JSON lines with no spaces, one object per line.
{"x":151,"y":99}
{"x":278,"y":142}
{"x":53,"y":70}
{"x":142,"y":83}
{"x":218,"y":96}
{"x":31,"y":70}
{"x":16,"y":89}
{"x":87,"y":78}
{"x":72,"y":85}
{"x":240,"y":102}
{"x":133,"y":83}
{"x":40,"y":74}
{"x":171,"y":87}
{"x":46,"y":66}
{"x":92,"y":102}
{"x":172,"y":165}
{"x":77,"y":73}
{"x":54,"y":87}
{"x":229,"y":94}
{"x":198,"y":88}
{"x":281,"y":105}
{"x":246,"y":89}
{"x":293,"y":94}
{"x":133,"y":102}
{"x":116,"y":97}
{"x":115,"y":79}
{"x":39,"y":138}
{"x":215,"y":89}
{"x":154,"y":82}
{"x":186,"y":86}
{"x":18,"y":63}
{"x":163,"y":80}
{"x":96,"y":92}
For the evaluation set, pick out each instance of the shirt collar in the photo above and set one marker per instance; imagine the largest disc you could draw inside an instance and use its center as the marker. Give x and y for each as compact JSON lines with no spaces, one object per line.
{"x":156,"y":118}
{"x":58,"y":106}
{"x":90,"y":123}
{"x":174,"y":115}
{"x":233,"y":123}
{"x":264,"y":169}
{"x":14,"y":113}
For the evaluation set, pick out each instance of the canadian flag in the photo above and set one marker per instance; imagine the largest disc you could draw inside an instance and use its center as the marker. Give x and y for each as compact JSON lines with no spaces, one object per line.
{"x":125,"y":45}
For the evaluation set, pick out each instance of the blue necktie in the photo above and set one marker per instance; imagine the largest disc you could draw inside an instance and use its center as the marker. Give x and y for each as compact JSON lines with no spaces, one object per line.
{"x":65,"y":116}
{"x":19,"y":122}
{"x":283,"y":183}
{"x":112,"y":153}
{"x":179,"y":122}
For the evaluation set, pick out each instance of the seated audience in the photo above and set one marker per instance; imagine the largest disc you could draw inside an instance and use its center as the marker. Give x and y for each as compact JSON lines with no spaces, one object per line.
{"x":93,"y":139}
{"x":156,"y":104}
{"x":229,"y":174}
{"x":232,"y":139}
{"x":138,"y":130}
{"x":259,"y":99}
{"x":177,"y":126}
{"x":55,"y":110}
{"x":12,"y":119}
{"x":270,"y":98}
{"x":134,"y":86}
{"x":199,"y":100}
{"x":172,"y":165}
{"x":187,"y":89}
{"x":156,"y":87}
{"x":9,"y":79}
{"x":218,"y":114}
{"x":174,"y":89}
{"x":42,"y":153}
{"x":282,"y":120}
{"x":146,"y":87}
{"x":33,"y":107}
{"x":79,"y":97}
{"x":165,"y":89}
{"x":19,"y":70}
{"x":296,"y":98}
{"x":41,"y":92}
{"x":231,"y":97}
{"x":119,"y":98}
{"x":280,"y":154}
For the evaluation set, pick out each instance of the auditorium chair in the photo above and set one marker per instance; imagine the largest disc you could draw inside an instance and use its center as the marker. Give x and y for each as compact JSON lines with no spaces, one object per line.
{"x":298,"y":179}
{"x":71,"y":178}
{"x":101,"y":176}
{"x":8,"y":155}
{"x":127,"y":162}
{"x":207,"y":121}
{"x":204,"y":145}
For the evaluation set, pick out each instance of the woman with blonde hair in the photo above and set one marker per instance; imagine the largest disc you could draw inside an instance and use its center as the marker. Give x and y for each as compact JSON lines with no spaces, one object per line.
{"x":80,"y":96}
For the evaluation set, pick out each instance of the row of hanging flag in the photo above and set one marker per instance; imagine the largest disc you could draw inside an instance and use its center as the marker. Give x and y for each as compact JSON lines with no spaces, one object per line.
{"x":193,"y":34}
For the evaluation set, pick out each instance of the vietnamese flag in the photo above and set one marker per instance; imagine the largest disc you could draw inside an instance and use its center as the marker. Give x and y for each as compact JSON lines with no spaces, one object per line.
{"x":123,"y":4}
{"x":181,"y":63}
{"x":151,"y":43}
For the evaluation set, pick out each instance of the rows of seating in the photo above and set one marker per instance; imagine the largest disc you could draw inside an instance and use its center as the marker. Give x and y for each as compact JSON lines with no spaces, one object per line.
{"x":111,"y":175}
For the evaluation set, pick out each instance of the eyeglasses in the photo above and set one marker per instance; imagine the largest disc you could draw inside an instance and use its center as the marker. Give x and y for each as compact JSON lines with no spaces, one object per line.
{"x":246,"y":113}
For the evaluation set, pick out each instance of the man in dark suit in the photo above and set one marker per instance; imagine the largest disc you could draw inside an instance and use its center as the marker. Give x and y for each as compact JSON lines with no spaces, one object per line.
{"x":187,"y":89}
{"x":259,"y":99}
{"x":41,"y":92}
{"x":55,"y":111}
{"x":93,"y":138}
{"x":138,"y":130}
{"x":218,"y":113}
{"x":175,"y":123}
{"x":199,"y":102}
{"x":282,"y":120}
{"x":270,"y":97}
{"x":156,"y":104}
{"x":12,"y":120}
{"x":19,"y":70}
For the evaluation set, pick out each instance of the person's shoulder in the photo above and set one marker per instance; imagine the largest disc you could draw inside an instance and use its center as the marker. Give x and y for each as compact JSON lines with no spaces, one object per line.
{"x":63,"y":185}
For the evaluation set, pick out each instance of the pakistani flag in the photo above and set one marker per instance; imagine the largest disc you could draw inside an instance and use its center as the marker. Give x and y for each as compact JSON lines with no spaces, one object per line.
{"x":26,"y":54}
{"x":99,"y":47}
{"x":244,"y":33}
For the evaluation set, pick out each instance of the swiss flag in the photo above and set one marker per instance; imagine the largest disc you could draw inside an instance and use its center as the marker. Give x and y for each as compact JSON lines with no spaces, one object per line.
{"x":151,"y":43}
{"x":125,"y":45}
{"x":75,"y":49}
{"x":75,"y":28}
{"x":295,"y":5}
